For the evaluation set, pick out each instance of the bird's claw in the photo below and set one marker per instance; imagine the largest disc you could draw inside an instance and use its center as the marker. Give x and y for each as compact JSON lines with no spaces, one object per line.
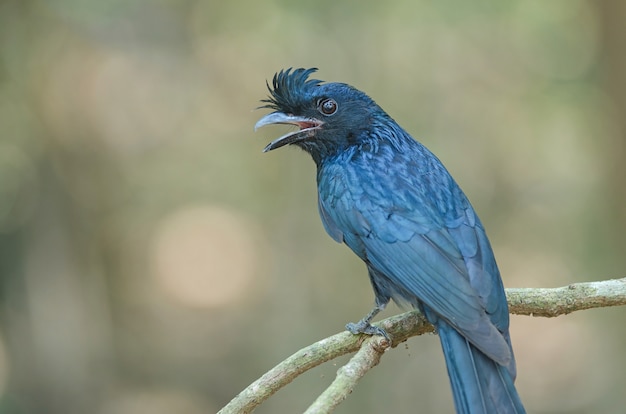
{"x":365,"y":327}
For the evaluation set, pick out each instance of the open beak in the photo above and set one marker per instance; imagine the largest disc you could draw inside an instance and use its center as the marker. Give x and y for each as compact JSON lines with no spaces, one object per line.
{"x":307,"y":128}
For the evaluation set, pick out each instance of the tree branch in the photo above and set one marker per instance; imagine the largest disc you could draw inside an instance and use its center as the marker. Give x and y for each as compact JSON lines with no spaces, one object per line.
{"x":400,"y":328}
{"x":561,"y":301}
{"x":549,"y":302}
{"x":349,"y":375}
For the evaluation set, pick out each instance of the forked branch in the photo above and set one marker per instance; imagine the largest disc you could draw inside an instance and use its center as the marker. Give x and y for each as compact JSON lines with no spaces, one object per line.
{"x":547,"y":302}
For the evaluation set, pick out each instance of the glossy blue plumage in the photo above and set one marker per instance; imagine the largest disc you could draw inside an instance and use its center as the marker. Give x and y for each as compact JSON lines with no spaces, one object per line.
{"x":396,"y":206}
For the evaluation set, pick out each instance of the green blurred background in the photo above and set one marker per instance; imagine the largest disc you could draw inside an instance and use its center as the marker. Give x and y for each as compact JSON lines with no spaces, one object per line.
{"x":153,"y":260}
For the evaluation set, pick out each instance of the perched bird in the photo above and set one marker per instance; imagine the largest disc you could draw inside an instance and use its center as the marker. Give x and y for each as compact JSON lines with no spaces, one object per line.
{"x":397,"y":207}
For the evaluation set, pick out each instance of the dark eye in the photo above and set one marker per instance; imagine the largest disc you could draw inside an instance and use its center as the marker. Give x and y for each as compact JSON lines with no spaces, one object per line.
{"x":327,"y":106}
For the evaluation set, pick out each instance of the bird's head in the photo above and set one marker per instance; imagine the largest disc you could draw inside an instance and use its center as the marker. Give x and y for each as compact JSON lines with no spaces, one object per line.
{"x":329,"y":116}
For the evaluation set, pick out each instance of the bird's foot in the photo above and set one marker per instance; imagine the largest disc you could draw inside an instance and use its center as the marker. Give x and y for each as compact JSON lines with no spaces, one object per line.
{"x":364,"y":326}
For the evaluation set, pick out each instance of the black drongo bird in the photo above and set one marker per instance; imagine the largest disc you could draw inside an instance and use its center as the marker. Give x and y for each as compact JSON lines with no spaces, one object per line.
{"x":396,"y":206}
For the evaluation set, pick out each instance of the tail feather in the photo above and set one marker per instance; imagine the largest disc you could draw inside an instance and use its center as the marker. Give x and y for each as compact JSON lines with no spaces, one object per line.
{"x":479,"y":385}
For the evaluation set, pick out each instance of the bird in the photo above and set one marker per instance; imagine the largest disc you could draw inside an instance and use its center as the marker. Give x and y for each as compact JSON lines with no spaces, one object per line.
{"x":395,"y":205}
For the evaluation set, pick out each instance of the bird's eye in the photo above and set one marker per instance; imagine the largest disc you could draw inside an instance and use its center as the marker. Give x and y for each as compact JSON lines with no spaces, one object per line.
{"x":327,"y":106}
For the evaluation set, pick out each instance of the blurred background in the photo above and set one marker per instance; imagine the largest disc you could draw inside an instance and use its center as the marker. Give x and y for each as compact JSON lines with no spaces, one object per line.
{"x":153,"y":260}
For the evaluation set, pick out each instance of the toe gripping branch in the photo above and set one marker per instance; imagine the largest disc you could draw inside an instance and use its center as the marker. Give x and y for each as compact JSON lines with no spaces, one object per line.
{"x":364,"y":326}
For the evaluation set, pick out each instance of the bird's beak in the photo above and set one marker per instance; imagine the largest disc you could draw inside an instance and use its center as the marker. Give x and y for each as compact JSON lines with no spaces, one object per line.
{"x":307,"y":128}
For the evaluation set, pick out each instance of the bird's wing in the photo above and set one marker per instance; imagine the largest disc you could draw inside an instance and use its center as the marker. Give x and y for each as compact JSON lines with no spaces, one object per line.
{"x":425,"y":270}
{"x":441,"y":258}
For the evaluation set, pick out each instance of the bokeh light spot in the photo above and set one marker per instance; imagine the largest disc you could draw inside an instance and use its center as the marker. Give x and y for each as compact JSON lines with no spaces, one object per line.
{"x":205,"y":256}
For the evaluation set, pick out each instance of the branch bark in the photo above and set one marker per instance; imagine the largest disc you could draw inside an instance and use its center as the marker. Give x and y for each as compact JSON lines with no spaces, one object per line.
{"x":546,"y":302}
{"x":561,"y":301}
{"x":349,"y":375}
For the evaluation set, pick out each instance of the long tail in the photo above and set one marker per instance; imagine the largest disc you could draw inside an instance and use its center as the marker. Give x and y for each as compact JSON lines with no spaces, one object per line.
{"x":479,"y":384}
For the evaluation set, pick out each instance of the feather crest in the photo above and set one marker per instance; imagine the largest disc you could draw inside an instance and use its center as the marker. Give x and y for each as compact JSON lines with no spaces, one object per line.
{"x":288,"y":88}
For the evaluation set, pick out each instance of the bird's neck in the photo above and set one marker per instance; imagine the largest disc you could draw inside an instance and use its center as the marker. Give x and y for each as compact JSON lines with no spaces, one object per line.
{"x":382,"y":131}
